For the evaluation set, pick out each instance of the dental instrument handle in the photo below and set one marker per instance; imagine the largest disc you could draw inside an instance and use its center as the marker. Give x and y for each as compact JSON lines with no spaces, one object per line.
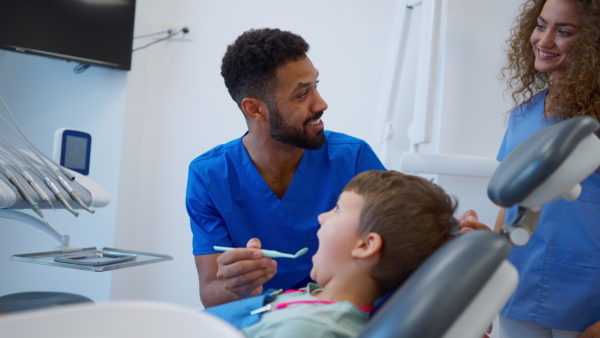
{"x":14,"y":181}
{"x":51,"y":186}
{"x":223,"y":248}
{"x":68,"y":174}
{"x":74,"y":195}
{"x":64,"y":184}
{"x":62,"y":200}
{"x":266,"y":253}
{"x":76,"y":198}
{"x":21,"y":190}
{"x":26,"y":196}
{"x":59,"y":196}
{"x":41,"y":193}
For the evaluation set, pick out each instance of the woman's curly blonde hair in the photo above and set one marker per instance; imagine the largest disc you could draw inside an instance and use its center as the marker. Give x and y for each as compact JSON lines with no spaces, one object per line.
{"x":579,"y":92}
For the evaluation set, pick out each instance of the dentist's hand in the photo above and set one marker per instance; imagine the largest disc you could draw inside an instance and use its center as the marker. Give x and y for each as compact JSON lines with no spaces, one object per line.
{"x":243,"y":271}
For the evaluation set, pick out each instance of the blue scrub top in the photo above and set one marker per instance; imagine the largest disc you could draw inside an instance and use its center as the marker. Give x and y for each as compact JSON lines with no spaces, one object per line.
{"x":228,"y":201}
{"x":559,"y":282}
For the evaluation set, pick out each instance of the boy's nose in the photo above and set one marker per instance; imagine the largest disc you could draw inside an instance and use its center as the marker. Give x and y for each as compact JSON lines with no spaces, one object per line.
{"x":322,"y":217}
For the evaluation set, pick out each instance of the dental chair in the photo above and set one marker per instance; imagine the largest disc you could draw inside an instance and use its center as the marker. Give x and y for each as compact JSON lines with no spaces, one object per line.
{"x":455,"y":293}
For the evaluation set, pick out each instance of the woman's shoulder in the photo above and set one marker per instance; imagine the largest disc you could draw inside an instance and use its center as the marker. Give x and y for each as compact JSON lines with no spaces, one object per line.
{"x":530,"y":112}
{"x":535,"y":103}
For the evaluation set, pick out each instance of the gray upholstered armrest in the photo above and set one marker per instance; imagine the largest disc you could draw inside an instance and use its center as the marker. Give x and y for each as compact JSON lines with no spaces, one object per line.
{"x":538,"y":157}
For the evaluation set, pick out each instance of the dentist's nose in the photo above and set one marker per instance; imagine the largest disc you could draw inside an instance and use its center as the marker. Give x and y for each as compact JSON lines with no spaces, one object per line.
{"x":320,"y":104}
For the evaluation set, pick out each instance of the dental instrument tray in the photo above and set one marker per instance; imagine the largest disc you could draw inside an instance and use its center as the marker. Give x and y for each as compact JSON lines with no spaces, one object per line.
{"x":96,"y":258}
{"x":92,"y":259}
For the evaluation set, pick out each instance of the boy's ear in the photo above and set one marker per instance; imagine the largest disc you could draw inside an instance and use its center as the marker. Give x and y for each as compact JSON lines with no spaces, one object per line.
{"x":368,"y":246}
{"x":254,"y":109}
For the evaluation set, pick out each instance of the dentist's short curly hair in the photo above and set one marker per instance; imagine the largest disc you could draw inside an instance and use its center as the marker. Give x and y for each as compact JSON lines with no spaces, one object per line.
{"x":250,"y":63}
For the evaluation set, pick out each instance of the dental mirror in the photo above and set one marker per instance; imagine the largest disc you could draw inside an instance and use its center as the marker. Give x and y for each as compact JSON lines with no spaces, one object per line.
{"x":269,"y":253}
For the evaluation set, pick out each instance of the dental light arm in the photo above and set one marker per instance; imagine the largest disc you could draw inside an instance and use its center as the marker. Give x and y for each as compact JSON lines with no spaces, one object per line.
{"x":63,"y":240}
{"x":545,"y":167}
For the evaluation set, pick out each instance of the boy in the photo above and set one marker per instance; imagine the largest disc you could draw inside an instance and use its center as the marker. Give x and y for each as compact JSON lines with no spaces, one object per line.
{"x":383,"y":227}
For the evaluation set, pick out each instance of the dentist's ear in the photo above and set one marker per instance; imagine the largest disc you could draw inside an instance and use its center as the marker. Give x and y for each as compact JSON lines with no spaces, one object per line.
{"x":368,"y":246}
{"x":254,"y":109}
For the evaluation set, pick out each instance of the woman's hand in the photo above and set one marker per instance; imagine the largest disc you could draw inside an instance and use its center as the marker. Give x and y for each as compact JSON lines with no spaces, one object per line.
{"x":593,"y":331}
{"x":469,"y":221}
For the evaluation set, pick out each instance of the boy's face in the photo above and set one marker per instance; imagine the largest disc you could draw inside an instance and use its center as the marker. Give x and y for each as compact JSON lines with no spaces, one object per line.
{"x":338,"y":236}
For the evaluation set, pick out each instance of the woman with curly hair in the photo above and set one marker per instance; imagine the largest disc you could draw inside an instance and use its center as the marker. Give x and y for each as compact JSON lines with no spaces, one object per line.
{"x":553,"y":74}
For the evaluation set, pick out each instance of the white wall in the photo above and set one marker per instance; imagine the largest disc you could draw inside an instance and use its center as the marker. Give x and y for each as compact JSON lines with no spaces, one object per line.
{"x":470,"y":109}
{"x":472,"y":105}
{"x":149,"y":123}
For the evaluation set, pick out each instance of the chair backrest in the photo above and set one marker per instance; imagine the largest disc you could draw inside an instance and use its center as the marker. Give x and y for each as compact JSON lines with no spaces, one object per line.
{"x":434,"y":297}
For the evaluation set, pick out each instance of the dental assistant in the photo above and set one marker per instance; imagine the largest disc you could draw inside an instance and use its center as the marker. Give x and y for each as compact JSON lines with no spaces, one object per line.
{"x":554,"y":62}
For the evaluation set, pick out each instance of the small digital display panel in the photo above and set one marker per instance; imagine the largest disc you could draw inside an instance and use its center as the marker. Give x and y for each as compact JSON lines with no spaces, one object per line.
{"x":75,"y":147}
{"x":75,"y":151}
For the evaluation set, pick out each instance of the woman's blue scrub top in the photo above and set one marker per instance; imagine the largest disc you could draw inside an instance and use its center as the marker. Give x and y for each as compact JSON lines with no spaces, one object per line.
{"x":559,"y":282}
{"x":229,"y":203}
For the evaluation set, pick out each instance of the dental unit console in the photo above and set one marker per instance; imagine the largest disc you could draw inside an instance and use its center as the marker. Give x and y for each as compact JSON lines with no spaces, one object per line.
{"x":31,"y":180}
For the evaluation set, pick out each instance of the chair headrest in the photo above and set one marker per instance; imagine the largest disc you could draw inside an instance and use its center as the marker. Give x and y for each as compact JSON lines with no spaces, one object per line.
{"x":536,"y":158}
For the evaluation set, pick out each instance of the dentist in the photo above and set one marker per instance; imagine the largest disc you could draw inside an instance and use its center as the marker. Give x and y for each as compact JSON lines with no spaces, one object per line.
{"x":275,"y":180}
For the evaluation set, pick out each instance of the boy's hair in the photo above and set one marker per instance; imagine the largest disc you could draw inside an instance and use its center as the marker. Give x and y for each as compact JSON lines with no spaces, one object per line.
{"x":412,"y":215}
{"x":250,"y":63}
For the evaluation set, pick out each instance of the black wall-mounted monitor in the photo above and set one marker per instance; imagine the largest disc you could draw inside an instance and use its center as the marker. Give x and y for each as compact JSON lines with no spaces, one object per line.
{"x":94,"y":32}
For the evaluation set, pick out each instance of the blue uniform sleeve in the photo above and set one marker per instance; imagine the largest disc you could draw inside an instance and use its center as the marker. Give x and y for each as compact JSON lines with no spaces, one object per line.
{"x":368,"y":160}
{"x":502,"y":150}
{"x":207,"y":224}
